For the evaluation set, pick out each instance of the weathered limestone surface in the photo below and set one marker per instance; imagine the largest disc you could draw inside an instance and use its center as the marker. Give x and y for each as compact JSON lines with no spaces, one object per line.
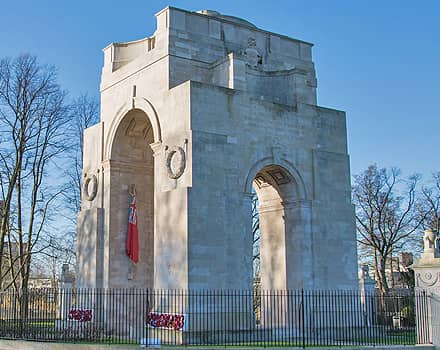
{"x":196,"y":116}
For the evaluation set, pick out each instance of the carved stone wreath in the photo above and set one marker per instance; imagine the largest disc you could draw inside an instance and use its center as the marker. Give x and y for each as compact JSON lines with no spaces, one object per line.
{"x":427,"y":279}
{"x":178,"y":154}
{"x":90,"y":195}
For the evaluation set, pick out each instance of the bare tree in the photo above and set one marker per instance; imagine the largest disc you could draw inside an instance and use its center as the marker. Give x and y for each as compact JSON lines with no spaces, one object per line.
{"x":84,"y":113}
{"x":429,"y":205}
{"x":386,"y":215}
{"x":33,"y":119}
{"x":60,"y":242}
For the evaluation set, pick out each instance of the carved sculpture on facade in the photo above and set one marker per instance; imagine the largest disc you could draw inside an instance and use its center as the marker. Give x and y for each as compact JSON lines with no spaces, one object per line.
{"x":175,"y":162}
{"x":431,"y":244}
{"x":253,"y":56}
{"x":90,"y":187}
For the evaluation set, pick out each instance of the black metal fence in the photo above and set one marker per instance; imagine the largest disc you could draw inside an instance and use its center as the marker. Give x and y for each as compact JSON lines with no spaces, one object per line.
{"x":214,"y":317}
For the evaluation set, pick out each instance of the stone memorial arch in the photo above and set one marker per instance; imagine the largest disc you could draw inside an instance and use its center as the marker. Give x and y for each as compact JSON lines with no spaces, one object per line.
{"x":194,"y":118}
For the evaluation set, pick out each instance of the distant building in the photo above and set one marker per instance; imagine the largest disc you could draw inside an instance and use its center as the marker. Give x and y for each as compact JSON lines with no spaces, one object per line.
{"x":399,"y":274}
{"x":42,"y":281}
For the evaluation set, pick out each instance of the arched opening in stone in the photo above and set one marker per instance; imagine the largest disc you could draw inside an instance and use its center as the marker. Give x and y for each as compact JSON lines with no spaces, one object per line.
{"x":275,"y":191}
{"x":276,"y":262}
{"x":132,"y":165}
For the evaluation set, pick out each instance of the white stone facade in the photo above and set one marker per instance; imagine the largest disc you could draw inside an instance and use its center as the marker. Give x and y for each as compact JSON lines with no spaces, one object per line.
{"x":196,"y":116}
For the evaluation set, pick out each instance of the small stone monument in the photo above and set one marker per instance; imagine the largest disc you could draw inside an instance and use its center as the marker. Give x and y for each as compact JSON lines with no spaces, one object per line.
{"x":66,"y":277}
{"x":65,"y":291}
{"x":427,"y":279}
{"x":427,"y":268}
{"x":367,"y":286}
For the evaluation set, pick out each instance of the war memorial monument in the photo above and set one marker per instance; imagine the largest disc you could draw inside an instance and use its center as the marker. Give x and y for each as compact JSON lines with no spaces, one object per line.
{"x":194,"y":119}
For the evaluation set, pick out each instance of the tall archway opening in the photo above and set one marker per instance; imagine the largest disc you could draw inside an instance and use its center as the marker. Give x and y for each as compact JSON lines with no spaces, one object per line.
{"x":132,"y":165}
{"x":280,"y":245}
{"x":276,"y":193}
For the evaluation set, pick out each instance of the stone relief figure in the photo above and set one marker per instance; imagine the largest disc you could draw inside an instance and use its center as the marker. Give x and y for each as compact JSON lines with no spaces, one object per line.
{"x":253,"y":56}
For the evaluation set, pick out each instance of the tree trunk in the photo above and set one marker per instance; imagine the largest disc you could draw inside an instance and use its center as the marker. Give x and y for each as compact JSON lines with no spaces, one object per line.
{"x":382,"y":276}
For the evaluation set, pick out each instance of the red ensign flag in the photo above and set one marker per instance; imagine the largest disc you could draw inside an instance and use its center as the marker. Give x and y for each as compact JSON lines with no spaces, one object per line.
{"x":132,"y":244}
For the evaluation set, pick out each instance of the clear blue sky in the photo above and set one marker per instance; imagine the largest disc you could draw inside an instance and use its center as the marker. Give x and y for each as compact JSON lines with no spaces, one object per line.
{"x":377,"y":60}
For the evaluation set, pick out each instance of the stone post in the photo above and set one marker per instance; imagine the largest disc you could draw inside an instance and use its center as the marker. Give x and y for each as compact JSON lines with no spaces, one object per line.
{"x":367,"y":287}
{"x":65,"y":291}
{"x":427,"y":282}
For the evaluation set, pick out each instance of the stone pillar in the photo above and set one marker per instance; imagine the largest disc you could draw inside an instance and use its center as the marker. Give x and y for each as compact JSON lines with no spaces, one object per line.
{"x":427,"y":283}
{"x":367,"y":286}
{"x":65,"y":291}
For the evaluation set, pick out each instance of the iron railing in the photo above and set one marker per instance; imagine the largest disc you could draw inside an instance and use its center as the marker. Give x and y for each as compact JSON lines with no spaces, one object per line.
{"x":297,"y":318}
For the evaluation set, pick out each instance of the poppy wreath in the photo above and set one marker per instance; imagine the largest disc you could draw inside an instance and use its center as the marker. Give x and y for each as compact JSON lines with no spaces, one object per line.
{"x":157,"y":320}
{"x":80,"y":315}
